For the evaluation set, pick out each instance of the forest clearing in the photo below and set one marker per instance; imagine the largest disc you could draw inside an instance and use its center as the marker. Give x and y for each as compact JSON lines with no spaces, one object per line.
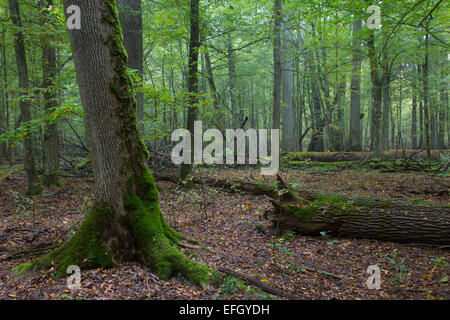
{"x":224,"y":150}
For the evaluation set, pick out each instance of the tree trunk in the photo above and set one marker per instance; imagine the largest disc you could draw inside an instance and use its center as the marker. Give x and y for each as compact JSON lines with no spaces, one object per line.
{"x":6,"y":96}
{"x":414,"y":109}
{"x":213,"y":89}
{"x":443,"y":99}
{"x":194,"y":46}
{"x":130,"y":14}
{"x":317,"y":121}
{"x":277,"y":65}
{"x":51,"y":136}
{"x":232,"y":82}
{"x":288,"y":140}
{"x":375,"y":135}
{"x":34,"y":186}
{"x":386,"y":92}
{"x":355,"y":99}
{"x":425,"y":101}
{"x":414,"y":122}
{"x":125,"y":222}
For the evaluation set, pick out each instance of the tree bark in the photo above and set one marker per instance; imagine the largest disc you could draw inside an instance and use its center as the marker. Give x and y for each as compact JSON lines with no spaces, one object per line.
{"x":51,"y":135}
{"x":375,"y":135}
{"x":368,"y":219}
{"x":288,"y":140}
{"x":125,"y":222}
{"x":277,"y":65}
{"x":426,"y":100}
{"x":232,"y":82}
{"x":34,"y":185}
{"x":130,"y":14}
{"x":355,"y":99}
{"x":194,"y":46}
{"x":443,"y":102}
{"x":386,"y":93}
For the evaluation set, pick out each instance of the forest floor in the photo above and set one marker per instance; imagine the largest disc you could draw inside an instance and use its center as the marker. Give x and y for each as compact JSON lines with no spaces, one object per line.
{"x":232,"y":226}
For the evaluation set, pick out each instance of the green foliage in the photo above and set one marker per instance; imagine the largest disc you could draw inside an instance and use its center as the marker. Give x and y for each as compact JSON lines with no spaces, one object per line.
{"x":398,"y":267}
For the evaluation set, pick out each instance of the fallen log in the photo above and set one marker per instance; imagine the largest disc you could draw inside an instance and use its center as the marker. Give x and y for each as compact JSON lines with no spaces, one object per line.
{"x":360,"y":156}
{"x":365,"y":219}
{"x":311,"y":213}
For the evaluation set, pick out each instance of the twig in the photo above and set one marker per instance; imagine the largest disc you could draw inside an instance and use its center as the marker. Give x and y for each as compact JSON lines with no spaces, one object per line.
{"x":259,"y":284}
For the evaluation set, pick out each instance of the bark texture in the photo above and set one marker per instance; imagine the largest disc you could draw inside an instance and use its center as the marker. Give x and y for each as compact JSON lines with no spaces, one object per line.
{"x":51,"y":136}
{"x":369,"y":219}
{"x":194,"y":46}
{"x":34,"y":185}
{"x":130,"y":14}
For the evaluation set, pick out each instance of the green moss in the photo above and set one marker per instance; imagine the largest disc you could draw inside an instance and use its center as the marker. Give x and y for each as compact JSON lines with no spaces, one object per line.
{"x":319,"y":164}
{"x":377,"y":163}
{"x":304,"y":214}
{"x":85,"y":248}
{"x":155,"y":238}
{"x":22,"y":268}
{"x":332,"y":198}
{"x":420,"y":202}
{"x":333,"y":204}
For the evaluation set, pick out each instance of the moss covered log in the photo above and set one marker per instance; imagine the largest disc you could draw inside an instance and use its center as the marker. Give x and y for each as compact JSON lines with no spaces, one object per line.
{"x":366,"y":219}
{"x":359,"y":156}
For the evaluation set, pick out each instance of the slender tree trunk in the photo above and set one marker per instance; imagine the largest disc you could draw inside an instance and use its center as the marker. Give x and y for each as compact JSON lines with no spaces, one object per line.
{"x":355,"y":99}
{"x":425,"y":101}
{"x":277,"y":65}
{"x":125,"y":222}
{"x":34,"y":186}
{"x":288,"y":140}
{"x":232,"y":82}
{"x":376,"y":96}
{"x":443,"y":106}
{"x":6,"y":97}
{"x":213,"y":90}
{"x":414,"y":121}
{"x":51,"y":136}
{"x":300,"y":96}
{"x":194,"y":46}
{"x":386,"y":80}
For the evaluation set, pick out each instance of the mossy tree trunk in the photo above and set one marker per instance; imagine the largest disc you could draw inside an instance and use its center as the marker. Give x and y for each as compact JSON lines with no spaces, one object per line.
{"x":366,"y":219}
{"x":125,"y":223}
